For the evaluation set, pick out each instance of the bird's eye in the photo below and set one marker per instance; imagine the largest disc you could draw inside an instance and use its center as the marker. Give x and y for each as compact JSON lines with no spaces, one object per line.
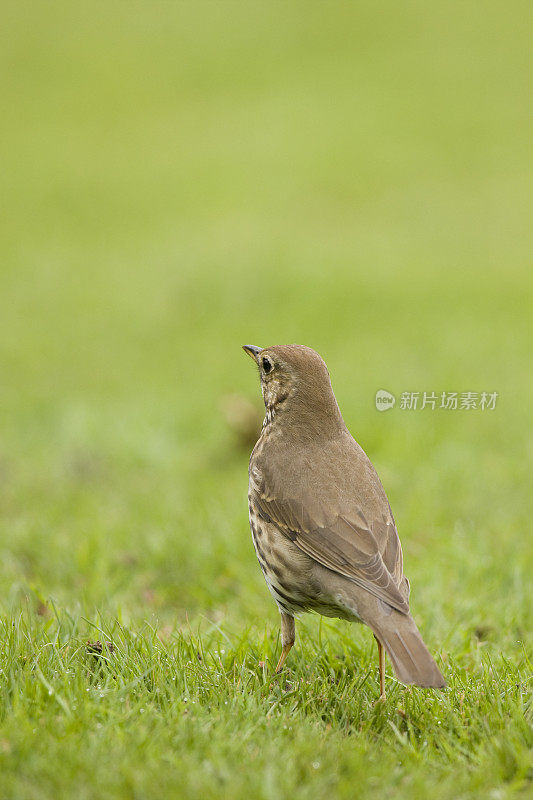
{"x":267,"y":365}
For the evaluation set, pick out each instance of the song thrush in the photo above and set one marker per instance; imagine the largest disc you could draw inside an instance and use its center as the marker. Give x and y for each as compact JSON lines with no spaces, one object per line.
{"x":321,"y":523}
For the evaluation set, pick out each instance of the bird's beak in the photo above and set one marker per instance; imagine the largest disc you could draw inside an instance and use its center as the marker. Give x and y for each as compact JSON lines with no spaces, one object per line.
{"x":252,"y":350}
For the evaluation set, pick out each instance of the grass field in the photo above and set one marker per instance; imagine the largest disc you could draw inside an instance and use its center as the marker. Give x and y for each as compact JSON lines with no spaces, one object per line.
{"x":179,"y":179}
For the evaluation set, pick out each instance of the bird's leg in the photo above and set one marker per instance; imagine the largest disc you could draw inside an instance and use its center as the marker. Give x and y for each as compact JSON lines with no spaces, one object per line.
{"x":287,"y":638}
{"x":381,"y":658}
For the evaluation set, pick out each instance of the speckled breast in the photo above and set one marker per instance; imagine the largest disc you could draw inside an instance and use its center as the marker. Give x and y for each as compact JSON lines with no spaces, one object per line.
{"x":284,"y":566}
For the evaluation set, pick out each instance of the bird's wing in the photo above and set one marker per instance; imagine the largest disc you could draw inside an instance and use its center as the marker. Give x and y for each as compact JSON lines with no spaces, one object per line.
{"x":368,"y":554}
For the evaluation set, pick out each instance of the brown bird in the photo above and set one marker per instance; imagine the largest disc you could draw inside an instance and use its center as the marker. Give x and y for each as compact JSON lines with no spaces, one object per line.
{"x":321,"y":523}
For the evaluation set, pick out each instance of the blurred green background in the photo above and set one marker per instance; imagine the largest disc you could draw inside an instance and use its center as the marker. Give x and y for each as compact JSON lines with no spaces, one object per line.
{"x":179,"y":179}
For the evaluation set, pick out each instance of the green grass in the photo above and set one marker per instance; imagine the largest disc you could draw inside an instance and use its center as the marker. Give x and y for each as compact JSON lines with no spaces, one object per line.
{"x":180,"y":179}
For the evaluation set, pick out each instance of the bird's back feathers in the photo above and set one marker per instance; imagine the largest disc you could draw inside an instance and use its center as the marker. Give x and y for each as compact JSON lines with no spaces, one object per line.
{"x":330,"y":502}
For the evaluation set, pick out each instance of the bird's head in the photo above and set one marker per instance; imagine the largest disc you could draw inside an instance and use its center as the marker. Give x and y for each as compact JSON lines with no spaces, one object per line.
{"x":295,"y":381}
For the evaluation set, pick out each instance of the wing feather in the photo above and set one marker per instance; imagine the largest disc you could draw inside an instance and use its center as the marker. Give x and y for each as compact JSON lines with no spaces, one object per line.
{"x":345,"y":544}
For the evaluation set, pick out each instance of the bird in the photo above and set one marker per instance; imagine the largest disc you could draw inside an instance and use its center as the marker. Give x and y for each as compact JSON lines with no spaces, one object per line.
{"x":321,"y":523}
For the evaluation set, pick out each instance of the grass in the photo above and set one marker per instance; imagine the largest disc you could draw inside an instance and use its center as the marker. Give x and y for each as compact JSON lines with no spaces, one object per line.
{"x":201,"y":715}
{"x":180,"y":179}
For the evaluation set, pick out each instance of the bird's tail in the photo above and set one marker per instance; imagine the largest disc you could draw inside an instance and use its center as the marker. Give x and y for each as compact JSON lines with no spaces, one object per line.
{"x":410,"y":657}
